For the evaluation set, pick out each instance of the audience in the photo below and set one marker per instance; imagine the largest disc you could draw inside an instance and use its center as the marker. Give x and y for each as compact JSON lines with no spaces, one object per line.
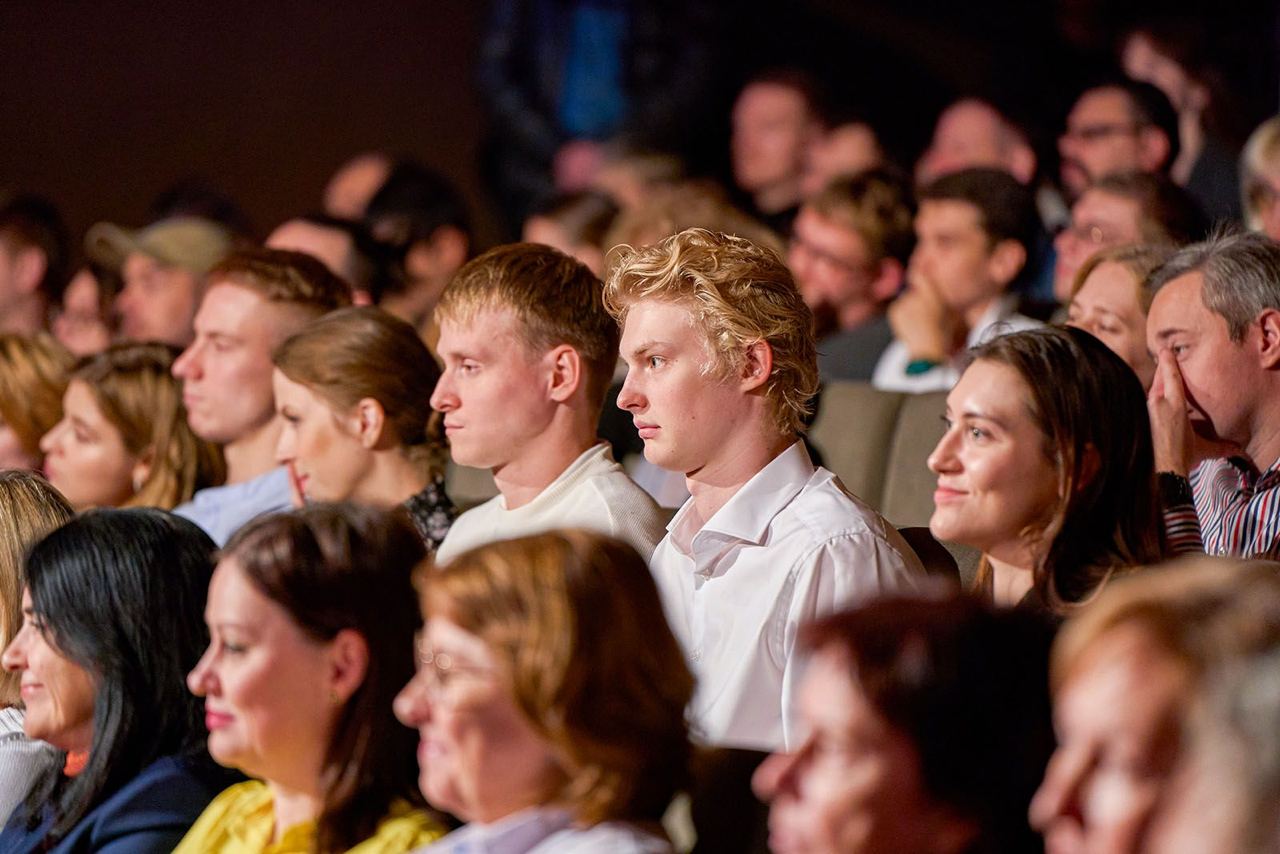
{"x":163,"y":267}
{"x":775,"y":120}
{"x":974,"y":233}
{"x":1214,"y":325}
{"x":721,"y":368}
{"x":420,"y":215}
{"x":1056,"y":497}
{"x":1110,"y":300}
{"x":554,"y":696}
{"x":528,"y":352}
{"x":33,"y":260}
{"x":1118,"y":125}
{"x":33,"y":378}
{"x":111,"y":624}
{"x":352,"y":390}
{"x":256,"y":298}
{"x":576,"y":224}
{"x":1260,"y":178}
{"x":1124,"y":207}
{"x":848,"y":253}
{"x":846,"y":148}
{"x":29,"y":509}
{"x":1125,"y":675}
{"x":929,"y":730}
{"x":123,"y":440}
{"x":549,"y":698}
{"x":311,"y":619}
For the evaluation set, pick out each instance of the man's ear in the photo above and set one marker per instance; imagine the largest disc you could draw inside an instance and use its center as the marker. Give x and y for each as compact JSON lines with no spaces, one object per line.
{"x":370,"y":420}
{"x":1153,"y":148}
{"x":757,"y":367}
{"x":29,"y":266}
{"x":566,"y":372}
{"x":1268,"y":324}
{"x":1006,"y":261}
{"x":1022,"y":163}
{"x":888,"y":280}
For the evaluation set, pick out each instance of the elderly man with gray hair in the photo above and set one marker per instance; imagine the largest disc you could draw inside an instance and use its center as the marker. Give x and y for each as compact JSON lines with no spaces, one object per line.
{"x":1214,"y":325}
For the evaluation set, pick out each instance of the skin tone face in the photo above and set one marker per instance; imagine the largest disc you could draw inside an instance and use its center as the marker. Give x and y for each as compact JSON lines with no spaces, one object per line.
{"x":480,"y":758}
{"x":829,"y":261}
{"x":1107,"y":307}
{"x":1142,"y":61}
{"x":681,"y":407}
{"x":844,"y":150}
{"x":330,"y":246}
{"x":1099,"y":220}
{"x":157,"y":302}
{"x":1101,"y":137}
{"x":771,"y":132}
{"x":854,"y":785}
{"x":272,"y":693}
{"x":80,"y":325}
{"x":971,"y":134}
{"x":541,"y":229}
{"x":1216,"y":372}
{"x":1117,"y":726}
{"x":995,"y":480}
{"x":85,"y":455}
{"x":493,"y":390}
{"x":226,"y":372}
{"x":952,"y":257}
{"x":58,"y":693}
{"x":326,"y":459}
{"x":354,"y":184}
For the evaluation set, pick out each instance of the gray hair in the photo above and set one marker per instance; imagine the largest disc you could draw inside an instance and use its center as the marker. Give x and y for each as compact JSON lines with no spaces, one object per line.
{"x":1241,"y":276}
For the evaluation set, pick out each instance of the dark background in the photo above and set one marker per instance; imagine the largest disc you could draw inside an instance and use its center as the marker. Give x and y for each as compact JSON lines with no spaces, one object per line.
{"x":106,"y":104}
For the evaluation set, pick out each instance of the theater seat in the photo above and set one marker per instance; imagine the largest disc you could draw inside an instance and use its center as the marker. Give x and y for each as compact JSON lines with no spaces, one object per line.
{"x":467,"y":486}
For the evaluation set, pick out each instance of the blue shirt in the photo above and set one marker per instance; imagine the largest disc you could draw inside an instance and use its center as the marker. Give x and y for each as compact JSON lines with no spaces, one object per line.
{"x":223,"y":510}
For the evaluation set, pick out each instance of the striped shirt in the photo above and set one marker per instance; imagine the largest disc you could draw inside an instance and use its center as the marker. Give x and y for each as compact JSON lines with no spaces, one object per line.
{"x":1236,"y":511}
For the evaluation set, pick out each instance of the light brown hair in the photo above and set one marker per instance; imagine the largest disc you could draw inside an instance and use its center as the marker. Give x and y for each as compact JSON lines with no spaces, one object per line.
{"x":555,"y":299}
{"x":740,"y":294}
{"x":29,"y":509}
{"x":877,"y":205}
{"x":1140,"y":259}
{"x":283,"y":276}
{"x":134,"y":388}
{"x":576,"y":621}
{"x":33,"y":377}
{"x":357,"y":353}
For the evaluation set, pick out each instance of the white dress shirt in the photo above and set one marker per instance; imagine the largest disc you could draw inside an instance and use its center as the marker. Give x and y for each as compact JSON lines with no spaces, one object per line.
{"x":594,"y":492}
{"x":891,"y":371}
{"x":790,"y":545}
{"x":542,"y":831}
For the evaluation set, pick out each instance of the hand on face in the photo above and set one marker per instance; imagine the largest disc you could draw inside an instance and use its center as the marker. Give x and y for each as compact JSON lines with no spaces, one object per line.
{"x":1180,"y":442}
{"x":924,"y":323}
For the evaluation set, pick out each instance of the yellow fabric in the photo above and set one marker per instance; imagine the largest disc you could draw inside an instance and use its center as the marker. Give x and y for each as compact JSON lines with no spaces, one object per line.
{"x":241,"y":820}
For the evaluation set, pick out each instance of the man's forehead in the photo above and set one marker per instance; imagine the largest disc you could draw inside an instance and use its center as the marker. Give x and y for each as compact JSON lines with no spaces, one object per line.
{"x":1178,"y":301}
{"x":1105,"y":103}
{"x":949,"y":213}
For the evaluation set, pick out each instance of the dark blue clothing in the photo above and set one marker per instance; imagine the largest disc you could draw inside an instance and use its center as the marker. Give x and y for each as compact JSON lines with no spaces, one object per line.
{"x":149,"y":814}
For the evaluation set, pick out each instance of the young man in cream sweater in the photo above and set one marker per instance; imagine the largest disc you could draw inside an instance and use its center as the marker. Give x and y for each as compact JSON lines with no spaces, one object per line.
{"x":528,"y":352}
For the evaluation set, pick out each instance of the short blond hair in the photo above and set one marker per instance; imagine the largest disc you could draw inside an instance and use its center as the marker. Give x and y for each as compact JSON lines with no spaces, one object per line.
{"x":740,"y":294}
{"x":1139,"y":259}
{"x":1261,"y":152}
{"x":555,"y":299}
{"x":575,"y":620}
{"x":33,"y":376}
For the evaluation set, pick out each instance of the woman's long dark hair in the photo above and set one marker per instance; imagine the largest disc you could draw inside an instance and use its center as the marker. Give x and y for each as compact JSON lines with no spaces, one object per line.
{"x":341,"y":566}
{"x":121,"y":593}
{"x":1091,"y":408}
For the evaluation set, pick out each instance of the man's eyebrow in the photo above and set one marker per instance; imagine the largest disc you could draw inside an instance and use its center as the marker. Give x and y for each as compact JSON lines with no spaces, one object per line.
{"x":1165,"y":334}
{"x":645,"y":346}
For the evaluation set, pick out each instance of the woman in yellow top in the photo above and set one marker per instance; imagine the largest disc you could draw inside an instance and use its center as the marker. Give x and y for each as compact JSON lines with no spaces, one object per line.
{"x":312,"y":617}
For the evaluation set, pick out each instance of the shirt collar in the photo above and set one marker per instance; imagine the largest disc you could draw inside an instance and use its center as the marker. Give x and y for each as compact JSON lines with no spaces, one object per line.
{"x":517,"y":832}
{"x":746,"y":516}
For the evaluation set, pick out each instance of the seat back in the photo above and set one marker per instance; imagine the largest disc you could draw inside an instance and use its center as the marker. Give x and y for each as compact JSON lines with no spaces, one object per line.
{"x":854,"y":427}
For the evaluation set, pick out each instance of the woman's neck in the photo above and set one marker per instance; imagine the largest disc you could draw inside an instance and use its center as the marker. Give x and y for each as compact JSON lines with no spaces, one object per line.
{"x":293,"y":807}
{"x":1010,"y":582}
{"x":392,"y":479}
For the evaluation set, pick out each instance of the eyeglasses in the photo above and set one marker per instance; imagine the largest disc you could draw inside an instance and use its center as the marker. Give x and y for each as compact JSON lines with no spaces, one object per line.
{"x":821,"y":256}
{"x":439,"y":670}
{"x":1098,"y":132}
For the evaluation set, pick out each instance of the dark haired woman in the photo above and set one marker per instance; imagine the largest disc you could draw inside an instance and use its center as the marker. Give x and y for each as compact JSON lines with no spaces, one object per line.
{"x":111,"y":623}
{"x":312,"y":616}
{"x":1047,"y":468}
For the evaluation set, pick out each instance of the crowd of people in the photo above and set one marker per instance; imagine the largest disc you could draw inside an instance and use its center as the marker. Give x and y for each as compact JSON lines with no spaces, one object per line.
{"x":240,"y":610}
